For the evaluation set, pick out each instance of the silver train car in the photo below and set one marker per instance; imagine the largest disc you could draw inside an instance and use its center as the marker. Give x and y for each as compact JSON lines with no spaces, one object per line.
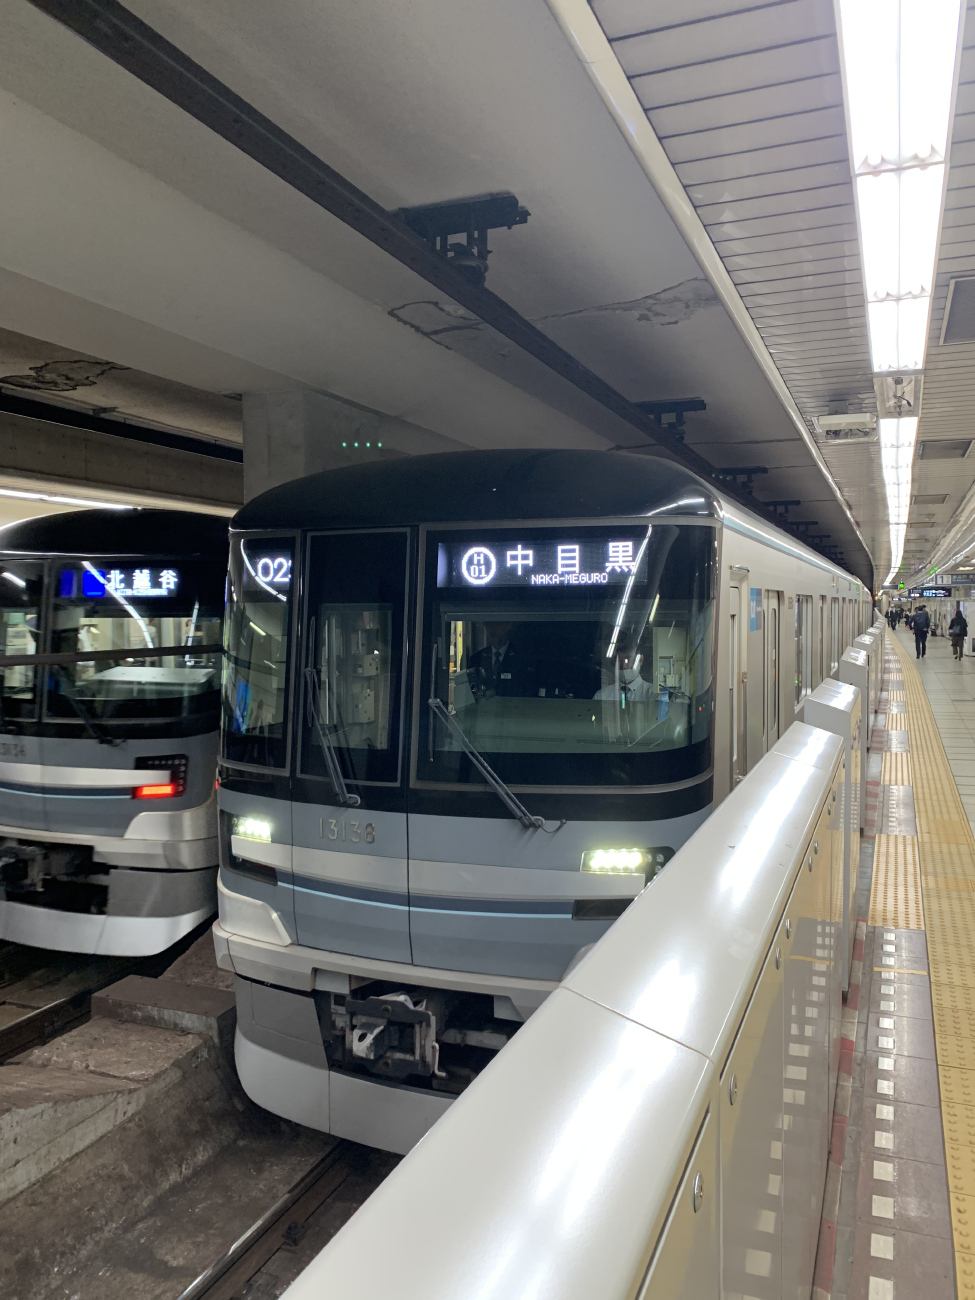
{"x":473,"y":703}
{"x":110,"y":662}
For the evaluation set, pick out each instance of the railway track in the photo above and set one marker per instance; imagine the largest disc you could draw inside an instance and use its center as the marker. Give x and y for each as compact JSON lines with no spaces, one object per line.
{"x":282,"y":1226}
{"x":44,"y":994}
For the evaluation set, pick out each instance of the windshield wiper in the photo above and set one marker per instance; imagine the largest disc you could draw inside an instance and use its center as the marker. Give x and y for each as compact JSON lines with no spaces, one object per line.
{"x":507,"y":797}
{"x":331,"y":758}
{"x":88,"y":722}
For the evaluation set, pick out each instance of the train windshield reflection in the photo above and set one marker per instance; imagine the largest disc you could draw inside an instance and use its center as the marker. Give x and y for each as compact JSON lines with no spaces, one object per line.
{"x":571,"y":658}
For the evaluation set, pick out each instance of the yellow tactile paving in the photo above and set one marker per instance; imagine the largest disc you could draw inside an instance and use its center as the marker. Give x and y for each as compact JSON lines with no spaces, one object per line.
{"x":959,"y":1124}
{"x":946,"y":856}
{"x":963,"y":1221}
{"x":952,"y":997}
{"x":956,"y":1052}
{"x":895,"y":899}
{"x":961,"y":1166}
{"x":896,"y":721}
{"x":895,"y":769}
{"x":896,"y":697}
{"x":957,"y":1085}
{"x":965,"y":1274}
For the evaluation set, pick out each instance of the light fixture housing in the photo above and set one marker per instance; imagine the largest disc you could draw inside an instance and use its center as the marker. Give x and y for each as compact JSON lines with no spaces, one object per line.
{"x":626,"y":862}
{"x":252,"y":828}
{"x":899,"y":60}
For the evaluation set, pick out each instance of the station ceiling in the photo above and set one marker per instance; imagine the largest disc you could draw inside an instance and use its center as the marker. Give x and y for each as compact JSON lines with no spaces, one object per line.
{"x":135,"y":236}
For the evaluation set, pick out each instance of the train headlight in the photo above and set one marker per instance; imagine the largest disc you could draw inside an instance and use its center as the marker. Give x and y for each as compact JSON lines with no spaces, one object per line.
{"x":252,"y":828}
{"x":626,"y":862}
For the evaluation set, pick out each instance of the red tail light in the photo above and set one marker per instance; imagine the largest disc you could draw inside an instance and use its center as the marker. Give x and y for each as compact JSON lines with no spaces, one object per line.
{"x":166,"y":791}
{"x":169,"y":771}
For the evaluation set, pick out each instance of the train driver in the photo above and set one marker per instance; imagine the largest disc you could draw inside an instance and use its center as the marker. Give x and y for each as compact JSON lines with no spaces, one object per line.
{"x":631,"y":684}
{"x":500,"y":668}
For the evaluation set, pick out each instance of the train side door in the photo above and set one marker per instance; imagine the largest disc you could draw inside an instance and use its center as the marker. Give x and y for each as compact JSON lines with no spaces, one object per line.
{"x":773,"y":666}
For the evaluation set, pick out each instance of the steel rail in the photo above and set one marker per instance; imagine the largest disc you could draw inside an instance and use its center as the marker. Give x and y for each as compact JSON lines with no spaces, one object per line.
{"x":251,"y":1251}
{"x":99,"y":656}
{"x":135,"y":46}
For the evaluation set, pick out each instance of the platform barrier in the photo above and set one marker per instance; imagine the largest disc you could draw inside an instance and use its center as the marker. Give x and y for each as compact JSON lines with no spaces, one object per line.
{"x":855,"y":671}
{"x":836,"y":707}
{"x":872,"y":641}
{"x":659,"y":1128}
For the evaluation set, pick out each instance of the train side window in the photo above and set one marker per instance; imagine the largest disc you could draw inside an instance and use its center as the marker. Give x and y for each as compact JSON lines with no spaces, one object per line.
{"x":834,"y":634}
{"x":773,"y":601}
{"x":21,"y":583}
{"x":257,"y":634}
{"x":354,"y":654}
{"x":804,"y":654}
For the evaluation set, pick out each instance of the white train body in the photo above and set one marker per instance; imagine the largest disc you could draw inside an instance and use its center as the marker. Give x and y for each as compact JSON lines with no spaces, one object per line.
{"x":474,"y":704}
{"x":108,"y":840}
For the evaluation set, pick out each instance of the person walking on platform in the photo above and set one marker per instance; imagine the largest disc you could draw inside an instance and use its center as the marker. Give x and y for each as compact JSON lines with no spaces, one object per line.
{"x":921,"y":624}
{"x":958,"y":630}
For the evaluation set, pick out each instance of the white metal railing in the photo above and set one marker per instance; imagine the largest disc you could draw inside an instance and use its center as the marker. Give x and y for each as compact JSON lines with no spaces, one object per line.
{"x":659,"y":1128}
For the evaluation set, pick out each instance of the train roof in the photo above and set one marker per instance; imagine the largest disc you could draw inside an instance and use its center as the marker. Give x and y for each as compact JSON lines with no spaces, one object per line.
{"x":118,"y":532}
{"x":471,"y":486}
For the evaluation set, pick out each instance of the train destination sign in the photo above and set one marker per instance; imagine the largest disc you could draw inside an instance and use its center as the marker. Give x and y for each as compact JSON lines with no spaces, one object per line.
{"x":565,"y":562}
{"x":136,"y":583}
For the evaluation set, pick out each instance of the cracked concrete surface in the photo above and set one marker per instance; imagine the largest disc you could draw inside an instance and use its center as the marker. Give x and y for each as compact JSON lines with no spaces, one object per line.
{"x":442,"y":321}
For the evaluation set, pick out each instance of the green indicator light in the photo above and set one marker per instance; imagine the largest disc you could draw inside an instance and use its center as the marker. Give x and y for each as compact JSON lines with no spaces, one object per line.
{"x":379,"y":444}
{"x":355,"y":444}
{"x":345,"y":444}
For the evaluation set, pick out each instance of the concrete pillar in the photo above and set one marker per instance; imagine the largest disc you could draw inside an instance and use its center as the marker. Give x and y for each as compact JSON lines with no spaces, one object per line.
{"x":291,"y":434}
{"x":288,"y":435}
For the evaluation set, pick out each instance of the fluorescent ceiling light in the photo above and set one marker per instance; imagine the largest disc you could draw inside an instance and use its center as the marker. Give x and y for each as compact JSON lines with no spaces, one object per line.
{"x":897,"y":440}
{"x":899,"y":62}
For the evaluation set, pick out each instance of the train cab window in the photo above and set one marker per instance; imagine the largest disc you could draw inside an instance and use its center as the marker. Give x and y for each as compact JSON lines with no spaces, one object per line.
{"x":21,"y":585}
{"x":257,"y":633}
{"x":570,"y":657}
{"x":135,"y":609}
{"x":352,"y":681}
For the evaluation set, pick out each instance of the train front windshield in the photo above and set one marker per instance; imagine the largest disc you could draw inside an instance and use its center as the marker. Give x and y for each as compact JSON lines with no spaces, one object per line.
{"x":569,"y":657}
{"x":135,"y":609}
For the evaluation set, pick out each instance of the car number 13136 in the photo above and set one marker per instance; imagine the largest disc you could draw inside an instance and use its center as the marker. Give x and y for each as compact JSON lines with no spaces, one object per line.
{"x":334,"y":828}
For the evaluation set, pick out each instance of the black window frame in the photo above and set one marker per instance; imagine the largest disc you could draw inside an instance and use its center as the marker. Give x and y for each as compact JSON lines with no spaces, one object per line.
{"x":307,"y":652}
{"x":423,"y":564}
{"x":294,"y":536}
{"x":38,"y":716}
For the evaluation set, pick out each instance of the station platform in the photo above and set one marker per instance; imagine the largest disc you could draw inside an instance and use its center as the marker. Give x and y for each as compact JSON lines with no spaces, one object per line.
{"x":899,"y":1213}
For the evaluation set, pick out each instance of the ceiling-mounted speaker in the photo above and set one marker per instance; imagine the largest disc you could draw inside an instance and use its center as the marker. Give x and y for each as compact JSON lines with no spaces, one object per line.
{"x":860,"y":426}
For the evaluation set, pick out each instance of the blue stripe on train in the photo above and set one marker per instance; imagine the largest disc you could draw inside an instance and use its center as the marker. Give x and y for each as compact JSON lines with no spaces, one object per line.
{"x":429,"y":903}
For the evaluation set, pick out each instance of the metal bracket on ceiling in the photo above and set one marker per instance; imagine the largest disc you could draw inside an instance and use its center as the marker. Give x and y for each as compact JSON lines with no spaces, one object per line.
{"x":782,"y":508}
{"x":743,"y":475}
{"x":473,"y":218}
{"x":675,"y":406}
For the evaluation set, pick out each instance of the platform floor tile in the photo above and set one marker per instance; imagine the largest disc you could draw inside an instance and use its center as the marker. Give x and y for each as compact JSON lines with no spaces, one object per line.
{"x":940,"y":697}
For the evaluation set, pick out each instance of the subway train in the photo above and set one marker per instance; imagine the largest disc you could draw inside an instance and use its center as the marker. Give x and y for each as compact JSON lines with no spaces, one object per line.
{"x":109,"y":719}
{"x":473,"y":703}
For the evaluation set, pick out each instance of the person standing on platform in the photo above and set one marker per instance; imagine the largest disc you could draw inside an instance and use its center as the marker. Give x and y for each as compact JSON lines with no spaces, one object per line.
{"x":921,"y":624}
{"x":958,"y":630}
